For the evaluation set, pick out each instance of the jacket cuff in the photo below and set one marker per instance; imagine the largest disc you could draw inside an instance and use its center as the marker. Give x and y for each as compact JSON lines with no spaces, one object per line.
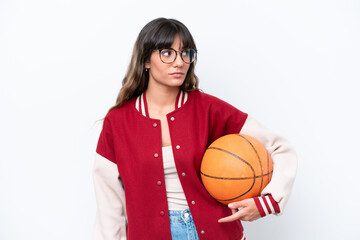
{"x":266,"y":205}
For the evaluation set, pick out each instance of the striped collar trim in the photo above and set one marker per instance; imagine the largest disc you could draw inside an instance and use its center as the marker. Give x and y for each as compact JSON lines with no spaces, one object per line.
{"x":141,"y":104}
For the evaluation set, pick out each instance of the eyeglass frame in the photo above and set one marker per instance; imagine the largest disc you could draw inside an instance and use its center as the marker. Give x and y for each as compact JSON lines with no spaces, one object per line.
{"x":176,"y":53}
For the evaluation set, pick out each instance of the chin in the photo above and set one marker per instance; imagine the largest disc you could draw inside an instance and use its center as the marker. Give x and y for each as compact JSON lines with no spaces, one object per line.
{"x":176,"y":82}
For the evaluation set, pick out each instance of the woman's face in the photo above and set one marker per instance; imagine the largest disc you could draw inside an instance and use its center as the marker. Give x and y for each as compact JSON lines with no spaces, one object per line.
{"x":172,"y":74}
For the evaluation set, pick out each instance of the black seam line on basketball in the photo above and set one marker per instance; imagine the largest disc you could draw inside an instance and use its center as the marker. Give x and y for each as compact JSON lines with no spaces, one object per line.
{"x":242,"y":178}
{"x":236,"y":156}
{"x":261,"y":167}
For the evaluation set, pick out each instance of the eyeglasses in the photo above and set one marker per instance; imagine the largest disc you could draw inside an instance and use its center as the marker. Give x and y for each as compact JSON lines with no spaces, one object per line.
{"x":169,"y":55}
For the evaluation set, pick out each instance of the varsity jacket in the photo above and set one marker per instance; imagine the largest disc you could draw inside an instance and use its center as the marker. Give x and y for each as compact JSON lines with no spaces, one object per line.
{"x":129,"y":166}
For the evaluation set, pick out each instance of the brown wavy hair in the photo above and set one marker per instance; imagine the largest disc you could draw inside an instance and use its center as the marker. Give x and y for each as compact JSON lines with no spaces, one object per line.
{"x":157,"y":34}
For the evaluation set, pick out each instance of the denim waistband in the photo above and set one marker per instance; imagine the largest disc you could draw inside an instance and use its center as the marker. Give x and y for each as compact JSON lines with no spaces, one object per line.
{"x":180,"y":216}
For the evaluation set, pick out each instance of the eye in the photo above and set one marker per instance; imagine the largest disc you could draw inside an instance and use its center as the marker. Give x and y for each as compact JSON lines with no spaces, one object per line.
{"x":186,"y":52}
{"x":166,"y":52}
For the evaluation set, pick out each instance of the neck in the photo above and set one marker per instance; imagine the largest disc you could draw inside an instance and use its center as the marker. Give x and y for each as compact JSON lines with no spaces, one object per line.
{"x":161,"y":97}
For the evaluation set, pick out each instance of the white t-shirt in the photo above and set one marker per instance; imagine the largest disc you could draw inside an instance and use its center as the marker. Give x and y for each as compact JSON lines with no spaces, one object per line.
{"x":174,"y":191}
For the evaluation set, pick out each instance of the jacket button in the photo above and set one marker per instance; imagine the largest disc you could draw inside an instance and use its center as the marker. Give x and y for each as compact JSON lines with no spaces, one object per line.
{"x":156,"y":155}
{"x":177,"y":146}
{"x":202,"y":231}
{"x":183,"y":174}
{"x":158,"y":183}
{"x":172,"y":118}
{"x":155,"y":125}
{"x":162,"y":213}
{"x":193,"y":202}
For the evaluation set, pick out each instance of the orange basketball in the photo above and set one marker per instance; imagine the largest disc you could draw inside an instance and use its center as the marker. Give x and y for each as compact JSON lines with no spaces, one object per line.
{"x":235,"y":167}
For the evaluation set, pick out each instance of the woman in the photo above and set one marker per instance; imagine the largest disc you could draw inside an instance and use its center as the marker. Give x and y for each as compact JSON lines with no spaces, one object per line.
{"x":161,"y":120}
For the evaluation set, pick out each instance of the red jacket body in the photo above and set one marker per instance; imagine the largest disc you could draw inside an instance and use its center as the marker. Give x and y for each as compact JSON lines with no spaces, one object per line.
{"x":133,"y":142}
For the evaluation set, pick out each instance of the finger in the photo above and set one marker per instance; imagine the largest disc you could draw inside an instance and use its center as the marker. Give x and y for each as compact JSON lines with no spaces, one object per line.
{"x":249,"y":213}
{"x":239,"y":204}
{"x":233,"y":217}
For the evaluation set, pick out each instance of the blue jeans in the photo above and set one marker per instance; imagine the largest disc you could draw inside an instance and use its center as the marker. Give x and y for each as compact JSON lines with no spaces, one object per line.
{"x":182,"y":225}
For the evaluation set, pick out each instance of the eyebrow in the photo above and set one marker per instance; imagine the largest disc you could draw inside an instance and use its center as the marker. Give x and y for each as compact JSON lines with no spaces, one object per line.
{"x":181,"y":49}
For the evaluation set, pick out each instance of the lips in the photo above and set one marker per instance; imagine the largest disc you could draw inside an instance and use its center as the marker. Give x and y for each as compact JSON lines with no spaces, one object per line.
{"x":177,"y":74}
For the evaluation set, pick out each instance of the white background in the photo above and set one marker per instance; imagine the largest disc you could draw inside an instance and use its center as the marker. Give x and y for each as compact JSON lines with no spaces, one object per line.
{"x":293,"y":65}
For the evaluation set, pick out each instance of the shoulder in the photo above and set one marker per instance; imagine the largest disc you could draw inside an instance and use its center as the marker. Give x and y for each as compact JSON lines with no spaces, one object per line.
{"x":211,"y":101}
{"x":207,"y":98}
{"x":119,"y":112}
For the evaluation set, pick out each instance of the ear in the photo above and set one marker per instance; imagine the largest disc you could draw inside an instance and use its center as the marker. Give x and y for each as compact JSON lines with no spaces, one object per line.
{"x":147,"y":64}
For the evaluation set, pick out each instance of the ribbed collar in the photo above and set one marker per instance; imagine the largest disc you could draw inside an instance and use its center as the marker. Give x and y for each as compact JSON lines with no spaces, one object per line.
{"x":141,"y":103}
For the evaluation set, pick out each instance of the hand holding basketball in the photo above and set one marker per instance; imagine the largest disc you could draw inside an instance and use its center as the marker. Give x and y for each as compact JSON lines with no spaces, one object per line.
{"x":248,"y":211}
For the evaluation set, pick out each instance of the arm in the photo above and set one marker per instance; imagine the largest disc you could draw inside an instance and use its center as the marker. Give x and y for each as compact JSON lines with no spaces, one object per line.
{"x":110,"y":223}
{"x":284,"y":164}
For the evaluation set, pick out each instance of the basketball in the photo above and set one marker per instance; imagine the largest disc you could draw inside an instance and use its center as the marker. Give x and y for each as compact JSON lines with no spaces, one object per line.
{"x":235,"y":167}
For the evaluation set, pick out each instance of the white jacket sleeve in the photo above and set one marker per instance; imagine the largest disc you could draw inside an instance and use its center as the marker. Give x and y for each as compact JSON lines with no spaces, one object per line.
{"x":110,"y":223}
{"x":284,"y":161}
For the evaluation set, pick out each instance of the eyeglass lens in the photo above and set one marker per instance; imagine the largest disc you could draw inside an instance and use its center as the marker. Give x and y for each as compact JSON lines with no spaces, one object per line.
{"x":169,"y":55}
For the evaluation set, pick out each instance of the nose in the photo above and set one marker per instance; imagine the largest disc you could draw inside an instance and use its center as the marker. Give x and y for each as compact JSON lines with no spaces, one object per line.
{"x":178,"y":61}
